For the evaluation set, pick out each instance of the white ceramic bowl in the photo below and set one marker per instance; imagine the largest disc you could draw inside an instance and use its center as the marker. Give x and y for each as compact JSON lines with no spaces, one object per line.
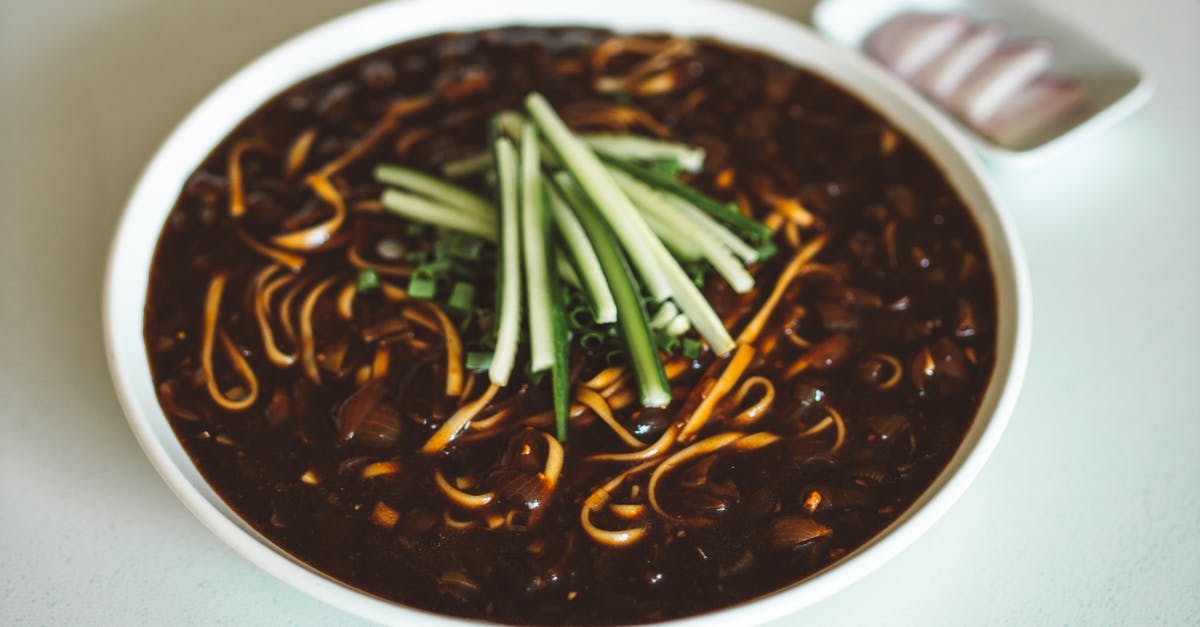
{"x":378,"y":26}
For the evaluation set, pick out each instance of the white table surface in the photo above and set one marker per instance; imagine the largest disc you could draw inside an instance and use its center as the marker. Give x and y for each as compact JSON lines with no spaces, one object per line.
{"x":1088,"y":513}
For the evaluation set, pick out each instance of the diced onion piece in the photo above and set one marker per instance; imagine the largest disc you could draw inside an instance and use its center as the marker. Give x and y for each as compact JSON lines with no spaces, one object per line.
{"x":947,"y":72}
{"x":909,"y":41}
{"x":1041,"y":109}
{"x":999,"y":78}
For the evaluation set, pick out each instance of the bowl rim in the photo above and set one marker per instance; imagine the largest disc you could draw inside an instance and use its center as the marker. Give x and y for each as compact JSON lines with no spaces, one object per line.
{"x":359,"y":32}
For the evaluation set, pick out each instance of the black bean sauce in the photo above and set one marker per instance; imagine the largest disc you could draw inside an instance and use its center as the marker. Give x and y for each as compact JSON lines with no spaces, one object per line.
{"x":896,"y":326}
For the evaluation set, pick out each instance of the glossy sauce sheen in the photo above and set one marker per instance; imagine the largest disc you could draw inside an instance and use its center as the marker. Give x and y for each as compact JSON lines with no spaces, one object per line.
{"x":927,"y":299}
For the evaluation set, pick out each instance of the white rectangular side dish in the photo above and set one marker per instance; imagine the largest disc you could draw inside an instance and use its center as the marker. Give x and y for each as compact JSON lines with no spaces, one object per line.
{"x":1116,"y":87}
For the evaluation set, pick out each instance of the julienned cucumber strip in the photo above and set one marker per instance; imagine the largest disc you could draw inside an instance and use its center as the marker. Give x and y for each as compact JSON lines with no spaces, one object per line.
{"x":736,"y":244}
{"x":591,"y":275}
{"x":678,"y":242}
{"x":636,"y":147}
{"x":682,"y":227}
{"x":688,"y":298}
{"x":665,"y":314}
{"x":477,"y":163}
{"x":435,"y":188}
{"x":597,"y":184}
{"x":441,"y":215}
{"x":693,"y":304}
{"x":713,"y":208}
{"x":420,"y":209}
{"x":631,"y":319}
{"x":509,"y":326}
{"x":560,"y":371}
{"x":535,"y":228}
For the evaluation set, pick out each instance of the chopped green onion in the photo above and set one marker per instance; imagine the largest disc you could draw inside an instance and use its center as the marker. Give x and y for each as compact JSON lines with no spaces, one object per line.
{"x":696,"y":272}
{"x":438,"y":270}
{"x":667,"y":343}
{"x":477,"y":360}
{"x":665,"y":314}
{"x":416,"y":256}
{"x":580,"y":318}
{"x":368,"y":280}
{"x":647,"y":367}
{"x":422,"y":286}
{"x":591,"y":341}
{"x":598,"y":186}
{"x":665,"y":167}
{"x":462,"y":298}
{"x":415,"y":229}
{"x":509,"y":283}
{"x":441,"y":247}
{"x":690,"y":348}
{"x":434,"y":189}
{"x":464,"y":247}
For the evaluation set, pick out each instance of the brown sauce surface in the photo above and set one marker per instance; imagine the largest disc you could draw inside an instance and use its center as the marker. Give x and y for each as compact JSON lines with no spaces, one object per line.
{"x":906,"y":277}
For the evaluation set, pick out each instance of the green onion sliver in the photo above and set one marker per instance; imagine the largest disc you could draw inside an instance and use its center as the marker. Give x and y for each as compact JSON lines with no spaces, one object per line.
{"x":438,"y":214}
{"x":640,"y":346}
{"x":535,"y":228}
{"x":434,"y":188}
{"x":508,"y":329}
{"x":599,"y":187}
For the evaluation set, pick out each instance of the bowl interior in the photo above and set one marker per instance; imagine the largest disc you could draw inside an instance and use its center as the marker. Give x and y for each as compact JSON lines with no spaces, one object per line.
{"x":380,"y":25}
